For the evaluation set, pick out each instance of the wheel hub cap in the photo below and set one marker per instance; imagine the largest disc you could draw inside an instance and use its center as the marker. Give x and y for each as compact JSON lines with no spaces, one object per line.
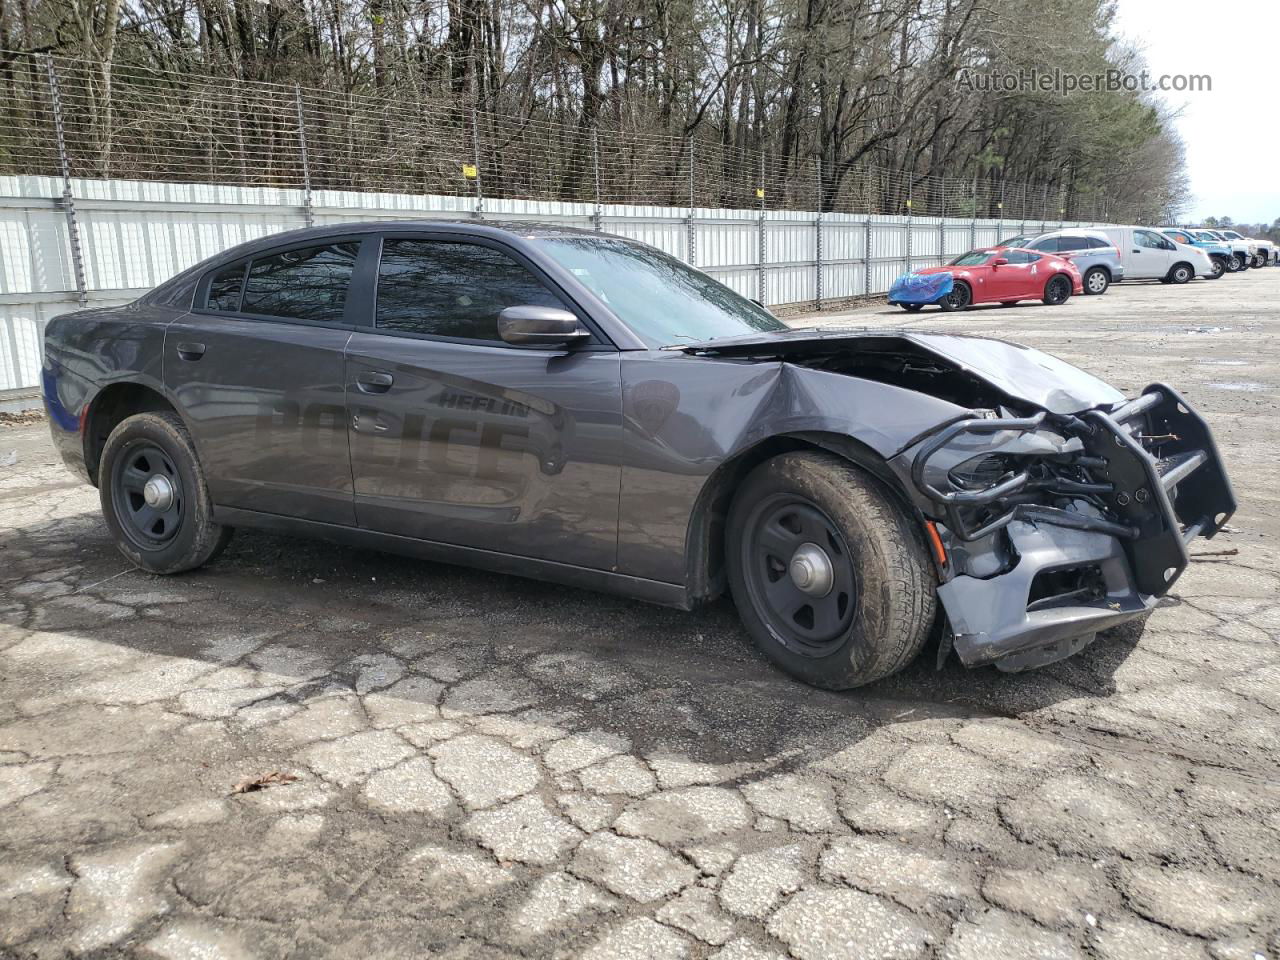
{"x":811,"y":570}
{"x":158,"y":492}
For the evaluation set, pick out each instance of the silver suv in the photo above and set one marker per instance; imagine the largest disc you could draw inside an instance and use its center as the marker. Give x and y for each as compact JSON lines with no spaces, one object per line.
{"x":1090,"y":250}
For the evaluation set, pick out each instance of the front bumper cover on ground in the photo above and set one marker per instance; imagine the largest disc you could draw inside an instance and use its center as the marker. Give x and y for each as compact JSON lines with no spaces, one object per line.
{"x":1162,"y":482}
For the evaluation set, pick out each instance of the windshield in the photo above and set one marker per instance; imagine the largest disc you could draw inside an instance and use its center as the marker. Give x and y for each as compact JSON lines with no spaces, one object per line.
{"x":1231,"y":235}
{"x":974,"y":258}
{"x":1206,"y":235}
{"x":663,"y":300}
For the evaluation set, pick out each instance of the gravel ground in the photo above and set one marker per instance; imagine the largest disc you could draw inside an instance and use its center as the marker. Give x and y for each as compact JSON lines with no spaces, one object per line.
{"x":491,"y":767}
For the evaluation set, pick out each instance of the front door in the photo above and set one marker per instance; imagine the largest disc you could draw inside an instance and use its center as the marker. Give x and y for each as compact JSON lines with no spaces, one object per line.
{"x":1009,"y":280}
{"x":1150,"y":256}
{"x":460,"y":438}
{"x":257,"y":369}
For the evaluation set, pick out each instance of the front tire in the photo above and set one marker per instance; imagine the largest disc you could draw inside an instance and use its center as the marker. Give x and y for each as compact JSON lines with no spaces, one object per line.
{"x":1258,"y":261}
{"x":1096,"y":281}
{"x":1241,"y":262}
{"x":1219,"y":267}
{"x":830,"y":575}
{"x":1181,"y":273}
{"x":958,"y":299}
{"x":1057,"y":291}
{"x":154,"y":496}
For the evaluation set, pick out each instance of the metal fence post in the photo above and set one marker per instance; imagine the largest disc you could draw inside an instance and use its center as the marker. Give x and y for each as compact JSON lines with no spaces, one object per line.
{"x":595,"y":163}
{"x":691,"y":228}
{"x":942,"y":223}
{"x":308,"y":211}
{"x":817,"y":239}
{"x":973,"y":220}
{"x":475,"y":156}
{"x":68,"y":202}
{"x":866,"y":257}
{"x":762,"y":245}
{"x":909,"y":226}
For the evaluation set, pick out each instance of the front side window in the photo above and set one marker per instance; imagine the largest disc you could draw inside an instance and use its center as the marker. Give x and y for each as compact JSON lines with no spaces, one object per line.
{"x":309,"y":283}
{"x":663,"y":300}
{"x":1022,"y":256}
{"x":1145,"y":238}
{"x":441,"y":288}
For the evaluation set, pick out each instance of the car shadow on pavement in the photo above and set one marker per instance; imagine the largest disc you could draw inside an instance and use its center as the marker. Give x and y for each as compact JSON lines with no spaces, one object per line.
{"x":308,"y":620}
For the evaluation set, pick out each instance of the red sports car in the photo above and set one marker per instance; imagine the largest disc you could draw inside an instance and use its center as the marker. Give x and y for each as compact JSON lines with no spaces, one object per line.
{"x":1002,"y":275}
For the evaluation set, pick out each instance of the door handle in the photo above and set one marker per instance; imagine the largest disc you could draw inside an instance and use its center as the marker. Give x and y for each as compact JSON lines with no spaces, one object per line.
{"x":374,"y":382}
{"x":190,"y":351}
{"x":1137,"y":251}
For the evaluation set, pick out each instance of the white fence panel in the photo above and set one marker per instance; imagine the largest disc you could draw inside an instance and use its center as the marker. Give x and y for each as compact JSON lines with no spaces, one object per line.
{"x":136,"y":234}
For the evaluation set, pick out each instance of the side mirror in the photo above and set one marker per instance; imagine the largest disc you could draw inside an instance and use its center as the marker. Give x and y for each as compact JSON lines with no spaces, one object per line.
{"x":999,"y":261}
{"x":533,"y":326}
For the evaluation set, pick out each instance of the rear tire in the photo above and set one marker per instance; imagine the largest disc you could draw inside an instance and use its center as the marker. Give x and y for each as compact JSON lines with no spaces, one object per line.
{"x":1057,"y":291}
{"x":1181,"y":273}
{"x":841,"y":525}
{"x":154,"y":496}
{"x":1096,"y":281}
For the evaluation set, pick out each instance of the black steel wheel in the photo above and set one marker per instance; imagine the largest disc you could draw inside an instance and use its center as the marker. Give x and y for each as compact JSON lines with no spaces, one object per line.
{"x":154,"y":496}
{"x":1096,"y":281}
{"x":829,"y":574}
{"x":958,"y":299}
{"x":147,"y":493}
{"x":1058,"y":290}
{"x":800,"y":572}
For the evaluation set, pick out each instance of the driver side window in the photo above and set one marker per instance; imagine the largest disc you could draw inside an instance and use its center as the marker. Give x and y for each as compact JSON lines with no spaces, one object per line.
{"x":1145,"y":238}
{"x":443,"y":288}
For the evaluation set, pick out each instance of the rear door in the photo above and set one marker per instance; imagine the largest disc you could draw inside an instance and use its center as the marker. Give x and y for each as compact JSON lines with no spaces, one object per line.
{"x":257,"y":370}
{"x":458,"y":437}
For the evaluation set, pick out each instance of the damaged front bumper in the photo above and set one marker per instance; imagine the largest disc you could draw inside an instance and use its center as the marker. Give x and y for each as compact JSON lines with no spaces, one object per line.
{"x":1054,"y":527}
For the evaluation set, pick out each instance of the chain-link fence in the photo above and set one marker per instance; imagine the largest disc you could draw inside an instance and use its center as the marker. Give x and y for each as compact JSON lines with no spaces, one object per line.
{"x":135,"y":124}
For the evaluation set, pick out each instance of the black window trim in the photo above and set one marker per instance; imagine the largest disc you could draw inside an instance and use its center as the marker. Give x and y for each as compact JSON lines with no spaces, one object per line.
{"x":599,"y":342}
{"x":350,"y":309}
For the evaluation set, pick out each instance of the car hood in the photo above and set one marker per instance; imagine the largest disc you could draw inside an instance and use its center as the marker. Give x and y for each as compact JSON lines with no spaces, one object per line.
{"x":1021,"y":373}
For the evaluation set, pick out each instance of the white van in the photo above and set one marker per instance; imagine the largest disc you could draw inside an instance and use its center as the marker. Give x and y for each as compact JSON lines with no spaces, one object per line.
{"x":1150,"y":255}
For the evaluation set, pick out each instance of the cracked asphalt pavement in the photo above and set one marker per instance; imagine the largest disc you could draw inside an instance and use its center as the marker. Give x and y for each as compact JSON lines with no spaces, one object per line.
{"x":490,"y":767}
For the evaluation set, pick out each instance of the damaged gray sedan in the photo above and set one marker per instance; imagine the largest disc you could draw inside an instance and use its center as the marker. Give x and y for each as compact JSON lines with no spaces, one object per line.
{"x":584,"y":409}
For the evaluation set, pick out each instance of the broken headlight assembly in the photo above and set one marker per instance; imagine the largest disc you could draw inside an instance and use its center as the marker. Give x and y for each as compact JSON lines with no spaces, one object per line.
{"x":1145,"y":471}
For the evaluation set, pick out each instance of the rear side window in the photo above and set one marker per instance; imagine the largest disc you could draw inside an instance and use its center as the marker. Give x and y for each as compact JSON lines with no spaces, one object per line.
{"x":224,"y":289}
{"x":1097,"y":243}
{"x":1073,"y":243}
{"x":440,"y":288}
{"x":309,"y":283}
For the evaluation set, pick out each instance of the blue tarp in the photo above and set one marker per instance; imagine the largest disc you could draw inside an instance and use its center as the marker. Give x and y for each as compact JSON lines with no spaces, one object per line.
{"x":920,"y":288}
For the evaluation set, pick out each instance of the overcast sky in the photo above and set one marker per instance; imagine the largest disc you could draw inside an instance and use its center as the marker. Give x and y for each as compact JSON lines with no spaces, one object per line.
{"x":1232,"y":133}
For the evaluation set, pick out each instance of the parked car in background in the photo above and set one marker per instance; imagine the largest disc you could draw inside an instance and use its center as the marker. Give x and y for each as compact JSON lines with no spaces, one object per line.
{"x":1149,"y":255}
{"x":1219,"y":252}
{"x":1264,"y":251}
{"x":586,"y":409}
{"x":989,"y":275}
{"x":1090,"y":250}
{"x":1242,"y":250}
